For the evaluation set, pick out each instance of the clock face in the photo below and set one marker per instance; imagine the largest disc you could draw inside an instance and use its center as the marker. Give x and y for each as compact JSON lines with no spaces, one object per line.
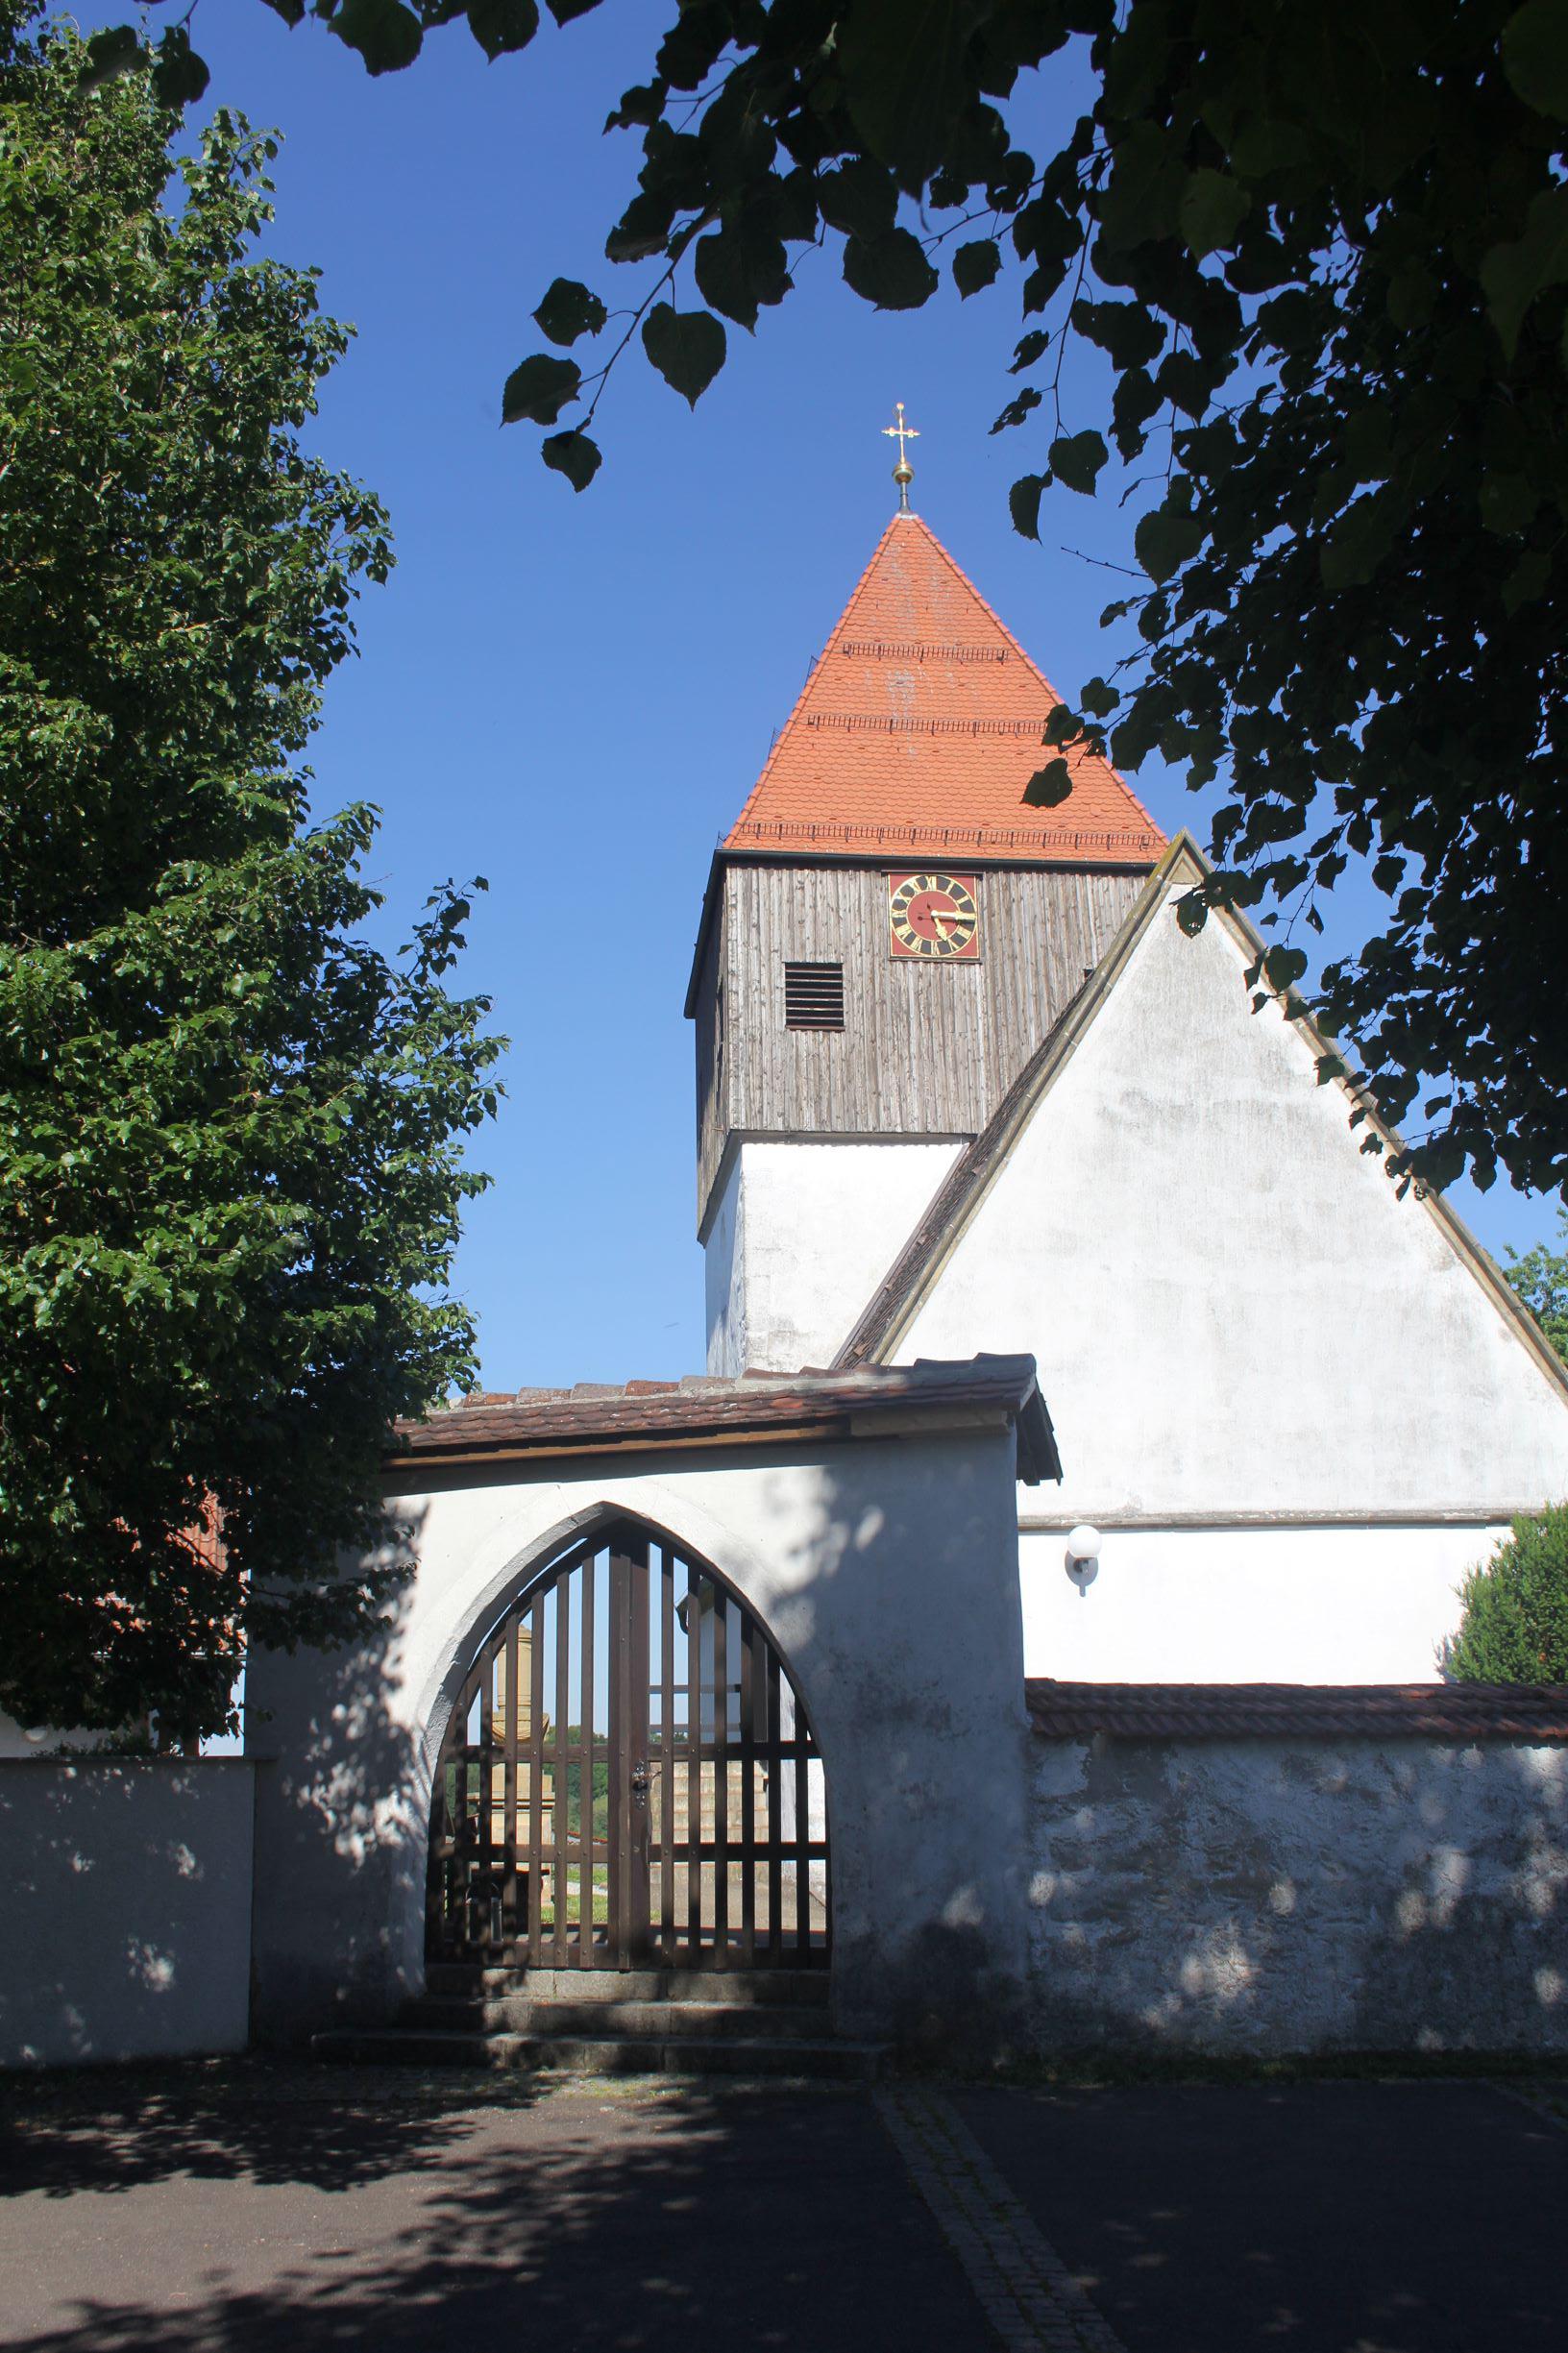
{"x":934,"y":916}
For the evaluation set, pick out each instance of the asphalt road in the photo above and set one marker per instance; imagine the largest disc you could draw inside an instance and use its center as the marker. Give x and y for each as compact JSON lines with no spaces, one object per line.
{"x":1311,"y":2218}
{"x":256,"y":2210}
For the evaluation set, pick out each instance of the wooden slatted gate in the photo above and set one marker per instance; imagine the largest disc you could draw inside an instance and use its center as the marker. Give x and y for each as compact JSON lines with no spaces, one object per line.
{"x":629,"y":1777}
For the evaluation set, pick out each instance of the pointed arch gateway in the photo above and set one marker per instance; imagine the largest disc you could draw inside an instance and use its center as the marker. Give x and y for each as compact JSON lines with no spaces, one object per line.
{"x":629,"y":1777}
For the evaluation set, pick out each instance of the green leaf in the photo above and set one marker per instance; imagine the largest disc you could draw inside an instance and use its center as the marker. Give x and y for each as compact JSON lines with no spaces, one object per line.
{"x":570,"y":309}
{"x":691,"y":46}
{"x":1076,"y":459}
{"x":1192,"y":913}
{"x":1413,"y":295}
{"x":502,"y":25}
{"x":1136,"y":399}
{"x":114,"y":52}
{"x":1018,"y":407}
{"x":1147,"y":181}
{"x":741,"y":266}
{"x":890,"y":271}
{"x":1166,"y":539}
{"x":1267,"y":144}
{"x":1507,"y":502}
{"x":1099,"y":700}
{"x":1023,"y":503}
{"x":1211,"y":209}
{"x":1358,"y":544}
{"x":687,"y":347}
{"x":642,"y":229}
{"x":718,"y":266}
{"x":538,"y":389}
{"x":643,"y":103}
{"x":1284,"y":967}
{"x":564,"y":11}
{"x":1514,"y":274}
{"x":1183,"y":380}
{"x":861,"y":198}
{"x":1528,"y":580}
{"x":572,"y":454}
{"x":975,"y":265}
{"x":179,"y":77}
{"x":387,"y":35}
{"x":906,"y":77}
{"x":1049,"y":786}
{"x":1535,"y":56}
{"x":1131,"y":334}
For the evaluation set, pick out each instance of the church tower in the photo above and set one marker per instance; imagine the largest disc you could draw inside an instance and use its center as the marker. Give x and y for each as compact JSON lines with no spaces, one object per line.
{"x":889,"y":933}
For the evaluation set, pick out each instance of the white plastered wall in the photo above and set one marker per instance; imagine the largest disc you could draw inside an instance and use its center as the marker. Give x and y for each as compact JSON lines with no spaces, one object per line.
{"x":854,"y":1559}
{"x":1236,"y":1316}
{"x":799,"y":1237}
{"x":128,"y":1907}
{"x":1305,"y":1605}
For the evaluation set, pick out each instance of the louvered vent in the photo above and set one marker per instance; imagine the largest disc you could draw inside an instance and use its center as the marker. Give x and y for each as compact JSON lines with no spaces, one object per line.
{"x":814,"y":997}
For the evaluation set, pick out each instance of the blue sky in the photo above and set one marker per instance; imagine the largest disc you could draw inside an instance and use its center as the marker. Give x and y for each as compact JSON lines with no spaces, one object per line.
{"x":573,"y":695}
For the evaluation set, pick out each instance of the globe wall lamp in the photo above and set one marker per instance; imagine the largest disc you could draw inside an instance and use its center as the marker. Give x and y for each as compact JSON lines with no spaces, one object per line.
{"x":1083,"y":1560}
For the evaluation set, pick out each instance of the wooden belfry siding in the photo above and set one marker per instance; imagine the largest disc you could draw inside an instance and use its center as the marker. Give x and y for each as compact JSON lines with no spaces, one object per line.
{"x":925,"y":1050}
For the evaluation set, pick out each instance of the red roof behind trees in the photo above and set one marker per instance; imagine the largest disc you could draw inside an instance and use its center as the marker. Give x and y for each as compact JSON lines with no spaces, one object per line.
{"x":920,"y":727}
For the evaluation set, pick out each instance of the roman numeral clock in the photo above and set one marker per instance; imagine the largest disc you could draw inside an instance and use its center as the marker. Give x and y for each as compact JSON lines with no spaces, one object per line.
{"x":934,"y":916}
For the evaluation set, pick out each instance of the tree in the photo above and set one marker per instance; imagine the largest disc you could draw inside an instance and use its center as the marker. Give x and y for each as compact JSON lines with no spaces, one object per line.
{"x":1540,"y":1278}
{"x":230,"y":1128}
{"x":1514,"y":1628}
{"x":1325,"y":253}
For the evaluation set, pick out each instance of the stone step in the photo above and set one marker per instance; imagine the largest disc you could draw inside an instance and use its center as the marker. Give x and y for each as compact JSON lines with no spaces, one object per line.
{"x":655,"y":2021}
{"x":758,"y":1989}
{"x":606,"y":2054}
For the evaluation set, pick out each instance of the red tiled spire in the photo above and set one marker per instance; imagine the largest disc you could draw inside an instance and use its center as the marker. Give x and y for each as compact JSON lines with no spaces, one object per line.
{"x":917,"y":730}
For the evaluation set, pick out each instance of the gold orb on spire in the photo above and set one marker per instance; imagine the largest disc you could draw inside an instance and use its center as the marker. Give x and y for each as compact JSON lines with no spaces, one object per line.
{"x":903,"y":472}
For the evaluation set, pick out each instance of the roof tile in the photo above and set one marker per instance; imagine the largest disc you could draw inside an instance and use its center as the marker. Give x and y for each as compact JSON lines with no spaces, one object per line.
{"x":919,"y":725}
{"x":1280,"y":1711}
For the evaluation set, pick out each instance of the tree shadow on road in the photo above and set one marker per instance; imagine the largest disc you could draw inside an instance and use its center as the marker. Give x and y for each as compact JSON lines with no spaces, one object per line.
{"x":123,"y":2128}
{"x":616,"y":2216}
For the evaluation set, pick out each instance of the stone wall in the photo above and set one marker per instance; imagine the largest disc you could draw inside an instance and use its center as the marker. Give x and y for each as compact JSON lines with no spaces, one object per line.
{"x":127,"y":1909}
{"x":1298,"y":1892}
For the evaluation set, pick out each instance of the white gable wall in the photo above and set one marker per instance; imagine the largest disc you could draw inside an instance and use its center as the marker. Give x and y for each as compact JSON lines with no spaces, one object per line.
{"x":799,"y":1237}
{"x":1313,"y":1603}
{"x":1238,"y":1320}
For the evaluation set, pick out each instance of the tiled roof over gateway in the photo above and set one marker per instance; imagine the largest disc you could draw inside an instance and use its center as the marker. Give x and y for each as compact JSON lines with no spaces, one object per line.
{"x":918,"y":729}
{"x":754,"y":1409}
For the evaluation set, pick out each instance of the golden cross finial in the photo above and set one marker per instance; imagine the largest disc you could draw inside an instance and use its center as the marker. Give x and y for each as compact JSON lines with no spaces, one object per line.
{"x":903,"y":472}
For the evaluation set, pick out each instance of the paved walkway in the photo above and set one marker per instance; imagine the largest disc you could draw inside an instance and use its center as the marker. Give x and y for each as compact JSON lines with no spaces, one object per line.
{"x":251,"y":2210}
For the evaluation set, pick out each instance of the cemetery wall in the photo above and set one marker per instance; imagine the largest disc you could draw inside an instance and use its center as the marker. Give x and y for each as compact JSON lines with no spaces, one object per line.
{"x":128,"y":1907}
{"x":1298,"y":1893}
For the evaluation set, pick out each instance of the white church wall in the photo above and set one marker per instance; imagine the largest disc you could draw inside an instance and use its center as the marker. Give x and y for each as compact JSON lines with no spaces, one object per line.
{"x":855,"y":1559}
{"x":31,"y":1740}
{"x":1237,"y":1605}
{"x":1298,"y":1893}
{"x":1234,"y":1312}
{"x":800,"y":1237}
